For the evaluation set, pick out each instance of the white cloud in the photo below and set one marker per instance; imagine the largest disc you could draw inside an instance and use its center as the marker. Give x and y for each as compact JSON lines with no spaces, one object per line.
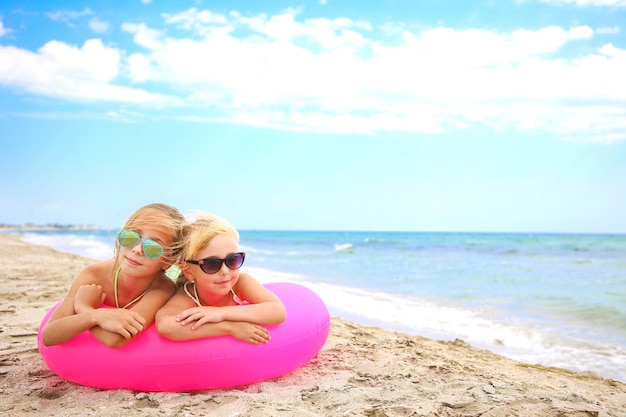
{"x":143,"y":36}
{"x":342,"y":75}
{"x":608,"y":30}
{"x":3,"y":30}
{"x":64,"y":71}
{"x":68,"y":15}
{"x":192,"y":18}
{"x":580,"y":32}
{"x":98,"y":26}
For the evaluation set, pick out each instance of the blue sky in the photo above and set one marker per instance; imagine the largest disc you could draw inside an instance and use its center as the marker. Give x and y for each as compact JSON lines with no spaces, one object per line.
{"x":317,"y":115}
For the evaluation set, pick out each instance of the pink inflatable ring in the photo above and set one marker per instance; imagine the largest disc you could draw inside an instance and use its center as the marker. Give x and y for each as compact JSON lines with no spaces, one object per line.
{"x":153,"y":363}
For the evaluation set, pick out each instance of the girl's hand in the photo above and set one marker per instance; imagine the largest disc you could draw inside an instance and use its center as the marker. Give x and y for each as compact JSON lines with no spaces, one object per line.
{"x":200,"y":315}
{"x":126,"y":323}
{"x":88,"y":297}
{"x":250,"y":332}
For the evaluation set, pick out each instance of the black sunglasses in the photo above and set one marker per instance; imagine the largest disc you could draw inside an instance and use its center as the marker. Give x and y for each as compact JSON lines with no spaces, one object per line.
{"x":212,"y":265}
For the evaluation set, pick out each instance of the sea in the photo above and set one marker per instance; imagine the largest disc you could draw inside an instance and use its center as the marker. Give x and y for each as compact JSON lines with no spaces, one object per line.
{"x":555,"y":300}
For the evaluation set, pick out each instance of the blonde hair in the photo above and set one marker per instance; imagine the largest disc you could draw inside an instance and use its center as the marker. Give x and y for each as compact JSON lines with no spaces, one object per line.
{"x":199,"y":231}
{"x":162,"y":218}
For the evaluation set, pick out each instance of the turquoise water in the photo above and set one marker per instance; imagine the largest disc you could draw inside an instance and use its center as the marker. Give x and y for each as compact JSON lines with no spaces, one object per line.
{"x":557,"y":300}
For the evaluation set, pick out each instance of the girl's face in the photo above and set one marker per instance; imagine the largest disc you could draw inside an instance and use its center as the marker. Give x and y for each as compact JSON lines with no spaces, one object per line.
{"x":133,"y":256}
{"x":221,"y":282}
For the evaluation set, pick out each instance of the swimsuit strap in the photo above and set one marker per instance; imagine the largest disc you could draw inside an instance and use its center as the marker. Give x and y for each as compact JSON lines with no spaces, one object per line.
{"x":117,"y":275}
{"x":237,"y":299}
{"x":194,"y":297}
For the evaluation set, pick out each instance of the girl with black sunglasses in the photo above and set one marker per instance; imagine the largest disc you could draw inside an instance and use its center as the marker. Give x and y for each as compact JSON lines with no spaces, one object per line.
{"x":133,"y":282}
{"x":214,"y":298}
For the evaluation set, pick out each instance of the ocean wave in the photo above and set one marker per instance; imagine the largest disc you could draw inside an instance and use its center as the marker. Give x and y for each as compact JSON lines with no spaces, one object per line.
{"x":343,"y":247}
{"x":254,"y":250}
{"x":87,"y":246}
{"x":514,"y":339}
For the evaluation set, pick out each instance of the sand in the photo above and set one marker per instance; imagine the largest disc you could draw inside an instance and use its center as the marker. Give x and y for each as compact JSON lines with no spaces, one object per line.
{"x":361,"y":371}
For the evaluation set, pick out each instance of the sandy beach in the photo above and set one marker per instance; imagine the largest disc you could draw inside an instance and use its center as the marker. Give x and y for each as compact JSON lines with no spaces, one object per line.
{"x":361,"y":371}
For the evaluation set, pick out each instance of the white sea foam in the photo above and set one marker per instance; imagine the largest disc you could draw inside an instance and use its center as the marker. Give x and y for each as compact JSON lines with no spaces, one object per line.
{"x":441,"y":322}
{"x":266,"y":275}
{"x":250,"y":249}
{"x":80,"y":245}
{"x":343,"y":246}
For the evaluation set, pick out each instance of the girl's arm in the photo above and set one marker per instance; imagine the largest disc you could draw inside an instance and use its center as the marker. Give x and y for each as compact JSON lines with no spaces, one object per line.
{"x":113,"y":327}
{"x":264,"y":308}
{"x":170,"y":327}
{"x":108,"y":331}
{"x":65,"y":324}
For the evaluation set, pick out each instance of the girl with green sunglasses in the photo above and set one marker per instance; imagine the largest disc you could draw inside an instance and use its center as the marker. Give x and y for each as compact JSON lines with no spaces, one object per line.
{"x":133,"y":282}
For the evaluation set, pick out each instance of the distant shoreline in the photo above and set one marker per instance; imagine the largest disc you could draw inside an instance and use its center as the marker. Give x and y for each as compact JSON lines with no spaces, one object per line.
{"x":57,"y":226}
